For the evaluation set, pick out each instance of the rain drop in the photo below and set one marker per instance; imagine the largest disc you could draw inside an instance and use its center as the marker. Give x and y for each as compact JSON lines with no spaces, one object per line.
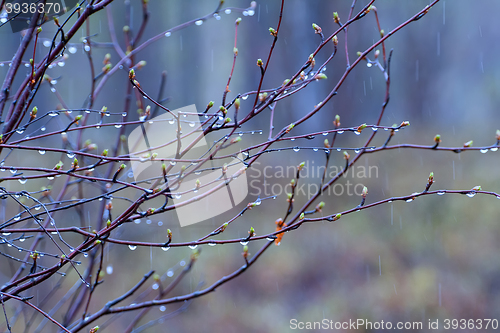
{"x":484,"y":151}
{"x":471,"y":194}
{"x":494,"y":149}
{"x":357,"y":132}
{"x":137,"y":221}
{"x":227,"y":11}
{"x":50,"y":178}
{"x":212,"y":243}
{"x":244,"y":97}
{"x":168,"y":34}
{"x":191,"y":124}
{"x":243,"y":242}
{"x":170,"y":273}
{"x":199,"y":22}
{"x":173,"y":162}
{"x":374,"y":129}
{"x":340,"y":132}
{"x":171,"y":121}
{"x":369,"y":64}
{"x":165,"y":248}
{"x":132,"y":247}
{"x":177,"y":196}
{"x":70,"y":154}
{"x":41,"y":152}
{"x":440,"y":193}
{"x":357,"y":151}
{"x":20,"y":131}
{"x":118,"y":125}
{"x":315,"y":149}
{"x":325,"y":133}
{"x":409,"y":200}
{"x":192,"y":247}
{"x":23,"y":180}
{"x":296,"y":149}
{"x":43,"y":129}
{"x":72,"y":49}
{"x":13,"y":171}
{"x":53,"y":113}
{"x":109,"y":269}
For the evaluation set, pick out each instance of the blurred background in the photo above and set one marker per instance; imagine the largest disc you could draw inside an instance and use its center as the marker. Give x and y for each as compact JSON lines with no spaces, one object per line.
{"x":433,"y":258}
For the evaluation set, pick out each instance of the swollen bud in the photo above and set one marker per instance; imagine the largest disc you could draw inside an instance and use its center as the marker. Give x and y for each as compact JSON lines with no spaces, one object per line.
{"x":468,"y":144}
{"x":336,"y":17}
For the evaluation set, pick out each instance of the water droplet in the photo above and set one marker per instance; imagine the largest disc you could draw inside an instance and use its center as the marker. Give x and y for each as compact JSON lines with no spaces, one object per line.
{"x":124,"y":114}
{"x":165,"y":248}
{"x":494,"y":149}
{"x":72,"y":49}
{"x":109,"y":269}
{"x":197,"y":173}
{"x":38,"y":208}
{"x":227,"y":11}
{"x":471,"y":194}
{"x":244,"y":97}
{"x":160,"y":223}
{"x":251,"y":12}
{"x":182,"y":263}
{"x":53,"y":82}
{"x":191,"y":124}
{"x":155,"y":286}
{"x":171,"y":121}
{"x":85,"y":255}
{"x":498,"y":196}
{"x":340,"y":132}
{"x":199,"y":22}
{"x":296,"y":149}
{"x":137,"y":221}
{"x":243,"y":242}
{"x":315,"y":149}
{"x":368,"y":64}
{"x":357,"y":133}
{"x":50,"y":178}
{"x":409,"y":200}
{"x":168,"y":34}
{"x":23,"y":180}
{"x":212,"y":243}
{"x":192,"y":247}
{"x":130,"y":174}
{"x":148,"y":221}
{"x":118,"y":125}
{"x":53,"y":113}
{"x":170,"y":273}
{"x":86,"y":48}
{"x":6,"y":233}
{"x":13,"y":170}
{"x":41,"y":152}
{"x":46,"y":43}
{"x":132,"y":247}
{"x":177,"y":196}
{"x":441,"y":193}
{"x":325,"y":133}
{"x":357,"y":151}
{"x":484,"y":151}
{"x":70,"y":154}
{"x":292,"y":139}
{"x":22,"y":239}
{"x":17,"y":217}
{"x":217,"y":16}
{"x":20,"y":131}
{"x":173,"y":162}
{"x":43,"y":129}
{"x":374,"y":129}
